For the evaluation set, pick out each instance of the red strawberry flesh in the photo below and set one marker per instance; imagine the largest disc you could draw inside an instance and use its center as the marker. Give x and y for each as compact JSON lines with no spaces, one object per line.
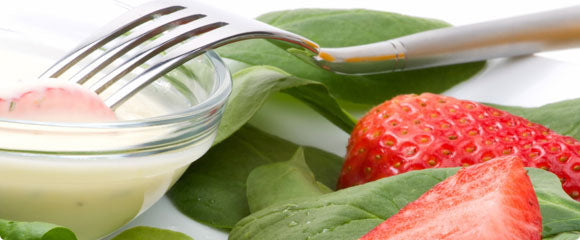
{"x":489,"y":201}
{"x":54,"y":101}
{"x":412,"y":132}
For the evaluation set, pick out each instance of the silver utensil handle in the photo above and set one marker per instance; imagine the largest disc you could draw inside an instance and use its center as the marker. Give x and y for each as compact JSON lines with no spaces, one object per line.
{"x":551,"y":30}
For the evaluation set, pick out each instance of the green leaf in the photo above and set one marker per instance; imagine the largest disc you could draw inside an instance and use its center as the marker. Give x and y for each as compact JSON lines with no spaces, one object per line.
{"x":340,"y":28}
{"x":565,"y":236}
{"x":150,"y":233}
{"x":325,"y":166}
{"x":562,"y":117}
{"x":11,"y":230}
{"x":213,"y":189}
{"x":345,"y":214}
{"x":351,"y":212}
{"x":560,"y":213}
{"x":252,"y":86}
{"x":281,"y":182}
{"x":316,"y":96}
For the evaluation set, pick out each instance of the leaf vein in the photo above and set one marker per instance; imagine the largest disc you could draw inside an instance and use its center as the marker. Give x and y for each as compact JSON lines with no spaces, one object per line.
{"x":337,"y":226}
{"x":310,"y":208}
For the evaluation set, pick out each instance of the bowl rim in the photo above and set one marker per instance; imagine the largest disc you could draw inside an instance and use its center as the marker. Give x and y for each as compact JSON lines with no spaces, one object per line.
{"x":217,"y":97}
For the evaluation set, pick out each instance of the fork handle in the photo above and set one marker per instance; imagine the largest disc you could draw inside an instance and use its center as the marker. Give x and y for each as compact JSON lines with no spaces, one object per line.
{"x":551,"y":30}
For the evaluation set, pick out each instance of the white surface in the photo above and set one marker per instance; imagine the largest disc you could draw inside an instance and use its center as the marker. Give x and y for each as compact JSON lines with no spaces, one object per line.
{"x":527,"y":81}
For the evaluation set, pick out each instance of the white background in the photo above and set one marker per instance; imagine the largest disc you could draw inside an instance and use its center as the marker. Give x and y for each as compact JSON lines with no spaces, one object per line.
{"x":523,"y":81}
{"x":91,"y":14}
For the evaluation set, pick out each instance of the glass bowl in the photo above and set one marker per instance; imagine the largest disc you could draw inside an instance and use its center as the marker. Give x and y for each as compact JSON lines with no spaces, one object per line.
{"x":95,"y":177}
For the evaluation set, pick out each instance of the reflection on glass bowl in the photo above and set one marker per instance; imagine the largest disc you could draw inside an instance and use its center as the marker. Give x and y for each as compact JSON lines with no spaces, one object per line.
{"x":96,"y":177}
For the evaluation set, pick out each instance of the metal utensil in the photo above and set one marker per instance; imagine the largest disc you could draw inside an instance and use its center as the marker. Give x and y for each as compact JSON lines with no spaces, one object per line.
{"x":183,"y":29}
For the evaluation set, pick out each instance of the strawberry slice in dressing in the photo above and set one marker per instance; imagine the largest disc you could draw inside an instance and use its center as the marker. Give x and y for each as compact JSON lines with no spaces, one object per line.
{"x":52,"y":100}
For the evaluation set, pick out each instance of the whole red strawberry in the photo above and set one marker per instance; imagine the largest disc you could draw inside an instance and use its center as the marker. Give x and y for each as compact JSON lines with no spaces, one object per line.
{"x":412,"y":132}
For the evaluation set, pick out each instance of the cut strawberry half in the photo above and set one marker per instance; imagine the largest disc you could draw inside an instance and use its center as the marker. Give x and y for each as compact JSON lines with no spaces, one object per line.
{"x":52,"y":100}
{"x":489,"y":201}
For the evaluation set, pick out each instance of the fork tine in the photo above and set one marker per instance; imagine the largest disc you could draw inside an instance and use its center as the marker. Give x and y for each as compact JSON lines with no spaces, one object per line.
{"x":154,"y":48}
{"x":197,"y":46}
{"x":121,"y":25}
{"x":134,"y":39}
{"x":174,"y":58}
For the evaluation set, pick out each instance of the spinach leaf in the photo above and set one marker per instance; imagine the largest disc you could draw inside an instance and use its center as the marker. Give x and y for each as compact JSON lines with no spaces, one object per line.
{"x":281,"y":182}
{"x":252,"y":86}
{"x":150,"y":233}
{"x":340,"y":28}
{"x":565,"y":236}
{"x":316,"y":96}
{"x":213,"y":189}
{"x":345,"y":214}
{"x":350,"y":213}
{"x":562,"y":117}
{"x":560,"y":213}
{"x":11,"y":230}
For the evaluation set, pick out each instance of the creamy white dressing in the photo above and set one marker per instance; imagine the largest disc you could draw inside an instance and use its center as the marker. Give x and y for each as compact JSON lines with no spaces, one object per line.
{"x":91,"y":195}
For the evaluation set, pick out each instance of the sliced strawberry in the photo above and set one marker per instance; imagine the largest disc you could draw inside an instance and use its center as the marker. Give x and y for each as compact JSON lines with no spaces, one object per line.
{"x":52,"y":100}
{"x":488,"y":201}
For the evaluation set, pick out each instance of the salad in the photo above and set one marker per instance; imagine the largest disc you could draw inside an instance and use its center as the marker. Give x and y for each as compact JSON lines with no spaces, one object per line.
{"x":233,"y":186}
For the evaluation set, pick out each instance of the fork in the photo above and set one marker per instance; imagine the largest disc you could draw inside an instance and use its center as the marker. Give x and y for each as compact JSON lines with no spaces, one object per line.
{"x":183,"y":29}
